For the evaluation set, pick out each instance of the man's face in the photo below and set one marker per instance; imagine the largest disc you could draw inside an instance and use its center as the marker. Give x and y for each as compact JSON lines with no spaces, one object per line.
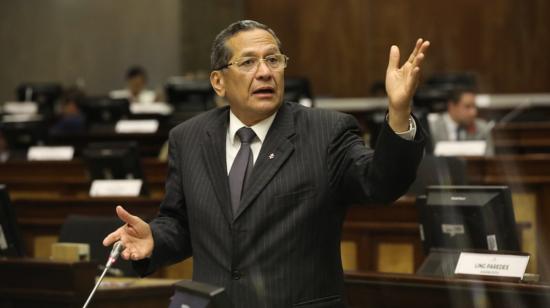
{"x":464,"y":111}
{"x":136,"y":84}
{"x":256,"y":94}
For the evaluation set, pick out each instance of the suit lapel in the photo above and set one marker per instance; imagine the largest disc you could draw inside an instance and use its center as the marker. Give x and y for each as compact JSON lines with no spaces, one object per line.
{"x":214,"y":155}
{"x":275,"y":150}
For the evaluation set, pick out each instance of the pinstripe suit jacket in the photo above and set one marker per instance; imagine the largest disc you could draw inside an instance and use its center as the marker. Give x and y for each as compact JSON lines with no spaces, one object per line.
{"x":282,"y":247}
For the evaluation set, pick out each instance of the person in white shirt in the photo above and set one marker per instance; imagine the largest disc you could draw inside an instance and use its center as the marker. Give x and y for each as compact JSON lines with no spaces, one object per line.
{"x":461,"y":122}
{"x":135,"y":92}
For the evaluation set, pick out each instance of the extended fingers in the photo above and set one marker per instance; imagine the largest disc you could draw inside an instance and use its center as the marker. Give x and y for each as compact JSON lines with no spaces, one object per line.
{"x":419,"y":59}
{"x":393,"y":62}
{"x":415,"y":51}
{"x":126,"y":216}
{"x":113,"y":237}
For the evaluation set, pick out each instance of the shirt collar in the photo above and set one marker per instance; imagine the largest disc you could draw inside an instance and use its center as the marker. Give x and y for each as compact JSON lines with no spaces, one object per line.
{"x":450,"y":122}
{"x":260,"y":129}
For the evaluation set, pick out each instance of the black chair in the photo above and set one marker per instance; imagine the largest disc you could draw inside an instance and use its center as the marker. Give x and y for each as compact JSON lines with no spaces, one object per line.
{"x":92,"y":230}
{"x":438,"y":170}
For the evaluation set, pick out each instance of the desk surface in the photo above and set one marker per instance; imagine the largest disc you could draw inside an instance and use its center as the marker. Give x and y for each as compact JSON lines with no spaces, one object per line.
{"x":400,"y":290}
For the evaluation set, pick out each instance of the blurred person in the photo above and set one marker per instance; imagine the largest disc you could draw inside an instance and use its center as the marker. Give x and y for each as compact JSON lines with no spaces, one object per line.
{"x":71,"y":119}
{"x":135,"y":92}
{"x":460,"y":122}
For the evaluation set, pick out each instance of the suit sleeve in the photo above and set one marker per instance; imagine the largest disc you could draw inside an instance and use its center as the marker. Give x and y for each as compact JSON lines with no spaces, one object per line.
{"x":360,"y":174}
{"x":170,"y":228}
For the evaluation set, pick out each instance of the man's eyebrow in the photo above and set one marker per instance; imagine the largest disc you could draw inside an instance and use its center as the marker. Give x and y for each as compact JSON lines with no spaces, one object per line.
{"x":252,"y":53}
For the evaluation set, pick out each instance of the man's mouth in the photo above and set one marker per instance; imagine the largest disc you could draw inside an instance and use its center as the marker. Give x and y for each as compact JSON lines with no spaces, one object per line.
{"x":264,"y":92}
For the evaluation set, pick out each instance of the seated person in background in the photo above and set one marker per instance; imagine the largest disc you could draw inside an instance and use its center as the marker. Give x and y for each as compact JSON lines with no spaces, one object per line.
{"x":135,"y":92}
{"x":460,"y":122}
{"x":71,"y":119}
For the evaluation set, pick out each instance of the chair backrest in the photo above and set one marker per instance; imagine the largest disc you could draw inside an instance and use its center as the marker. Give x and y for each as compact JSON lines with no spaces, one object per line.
{"x":92,"y":230}
{"x":439,"y":170}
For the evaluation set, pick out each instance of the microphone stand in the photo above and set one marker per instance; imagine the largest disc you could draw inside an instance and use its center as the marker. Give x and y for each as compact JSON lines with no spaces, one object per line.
{"x":115,"y":253}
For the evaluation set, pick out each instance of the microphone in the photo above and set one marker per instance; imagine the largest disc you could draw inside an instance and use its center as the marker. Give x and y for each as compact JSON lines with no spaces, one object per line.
{"x":118,"y":247}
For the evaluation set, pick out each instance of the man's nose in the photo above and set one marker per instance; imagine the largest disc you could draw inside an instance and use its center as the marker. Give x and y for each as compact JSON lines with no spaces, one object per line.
{"x":263,"y":72}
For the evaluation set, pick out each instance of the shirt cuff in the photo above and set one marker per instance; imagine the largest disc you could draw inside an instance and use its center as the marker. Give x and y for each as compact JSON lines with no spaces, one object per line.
{"x":408,"y":134}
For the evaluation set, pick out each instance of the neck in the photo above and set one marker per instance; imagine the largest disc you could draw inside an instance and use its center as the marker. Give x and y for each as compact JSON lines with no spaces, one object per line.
{"x":251,"y":120}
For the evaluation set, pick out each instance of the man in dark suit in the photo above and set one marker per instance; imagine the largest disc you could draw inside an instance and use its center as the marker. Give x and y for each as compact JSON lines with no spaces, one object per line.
{"x":257,"y":191}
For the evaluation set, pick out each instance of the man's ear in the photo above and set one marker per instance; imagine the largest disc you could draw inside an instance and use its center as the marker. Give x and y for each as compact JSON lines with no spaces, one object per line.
{"x":217,"y":81}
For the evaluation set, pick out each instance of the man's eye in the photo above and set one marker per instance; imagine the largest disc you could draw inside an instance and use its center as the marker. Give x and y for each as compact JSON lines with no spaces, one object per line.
{"x":248,"y":62}
{"x":272,"y":60}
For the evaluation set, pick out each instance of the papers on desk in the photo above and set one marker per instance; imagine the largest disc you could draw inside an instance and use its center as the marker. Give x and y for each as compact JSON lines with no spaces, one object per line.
{"x":461,"y":148}
{"x":20,"y":107}
{"x":154,"y":108}
{"x":115,"y":188}
{"x":136,"y":126}
{"x":50,"y":153}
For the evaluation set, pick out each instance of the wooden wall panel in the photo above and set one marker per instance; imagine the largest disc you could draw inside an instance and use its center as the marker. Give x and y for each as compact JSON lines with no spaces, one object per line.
{"x":343,"y":45}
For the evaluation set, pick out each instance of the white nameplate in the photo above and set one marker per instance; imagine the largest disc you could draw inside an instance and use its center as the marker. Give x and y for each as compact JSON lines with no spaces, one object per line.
{"x":154,"y":108}
{"x":50,"y":153}
{"x":460,"y":148}
{"x":115,"y":188}
{"x":21,"y":117}
{"x":485,"y":264}
{"x":136,"y":126}
{"x":21,"y":107}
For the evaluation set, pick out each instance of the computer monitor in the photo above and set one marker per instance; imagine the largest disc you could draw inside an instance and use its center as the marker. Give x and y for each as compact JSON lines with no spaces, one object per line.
{"x":105,"y":110}
{"x":113,"y":160}
{"x":46,"y":94}
{"x":297,"y":88}
{"x":192,"y":96}
{"x":11,"y":244}
{"x":20,"y":134}
{"x":467,"y":217}
{"x":193,"y":294}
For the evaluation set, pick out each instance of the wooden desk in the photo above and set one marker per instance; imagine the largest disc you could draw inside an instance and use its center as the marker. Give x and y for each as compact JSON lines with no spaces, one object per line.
{"x":149,"y":145}
{"x":522,"y":138}
{"x":67,"y":178}
{"x":369,"y":227}
{"x":378,"y":290}
{"x":45,"y":216}
{"x":43,"y":283}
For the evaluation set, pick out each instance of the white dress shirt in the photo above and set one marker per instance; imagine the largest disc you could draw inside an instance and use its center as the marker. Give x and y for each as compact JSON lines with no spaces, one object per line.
{"x":233,"y":143}
{"x":451,"y":126}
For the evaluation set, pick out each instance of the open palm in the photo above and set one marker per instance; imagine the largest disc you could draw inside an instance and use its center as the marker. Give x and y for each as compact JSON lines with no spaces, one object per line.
{"x":401,"y":82}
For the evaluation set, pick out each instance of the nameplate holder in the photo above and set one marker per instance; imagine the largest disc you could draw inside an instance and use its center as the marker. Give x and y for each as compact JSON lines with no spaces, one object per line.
{"x":50,"y":153}
{"x":115,"y":188}
{"x":461,"y":148}
{"x":153,"y":108}
{"x":492,"y":265}
{"x":21,"y":107}
{"x":136,"y":126}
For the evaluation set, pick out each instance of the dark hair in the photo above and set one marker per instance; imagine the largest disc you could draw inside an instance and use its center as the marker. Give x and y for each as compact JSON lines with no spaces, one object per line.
{"x":73,"y":94}
{"x":135,"y":71}
{"x":221,"y":54}
{"x":455,"y":94}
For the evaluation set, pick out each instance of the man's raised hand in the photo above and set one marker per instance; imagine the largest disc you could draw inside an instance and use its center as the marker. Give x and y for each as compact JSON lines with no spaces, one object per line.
{"x":401,"y":83}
